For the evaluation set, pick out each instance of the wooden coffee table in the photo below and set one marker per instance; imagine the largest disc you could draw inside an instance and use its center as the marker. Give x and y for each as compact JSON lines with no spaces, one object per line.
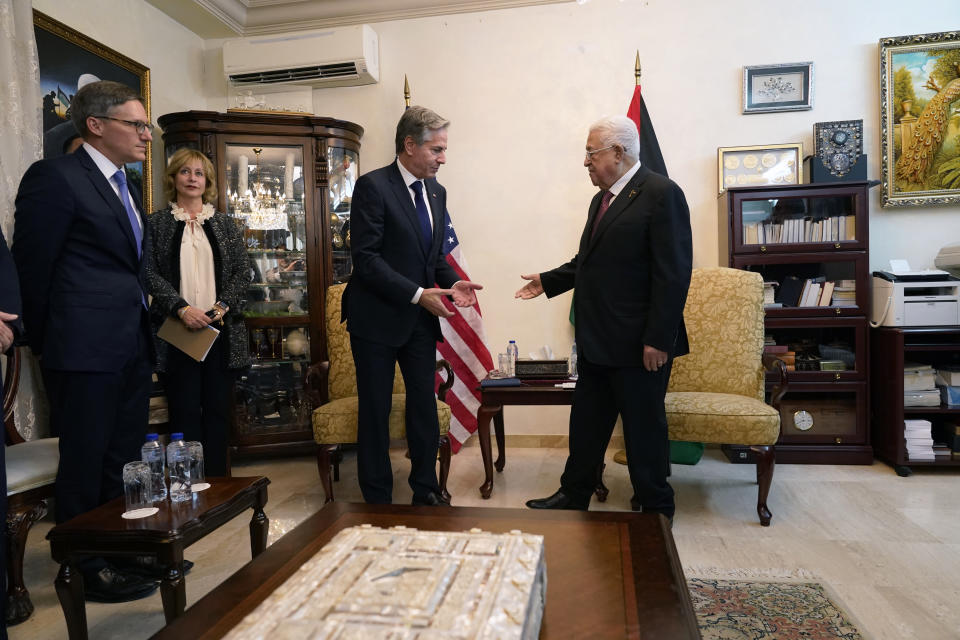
{"x":609,"y":574}
{"x":103,"y":532}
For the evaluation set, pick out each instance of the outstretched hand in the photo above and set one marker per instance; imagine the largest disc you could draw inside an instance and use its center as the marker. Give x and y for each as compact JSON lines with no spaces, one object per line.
{"x":6,"y":333}
{"x":532,"y":289}
{"x":432,"y":301}
{"x":465,"y":293}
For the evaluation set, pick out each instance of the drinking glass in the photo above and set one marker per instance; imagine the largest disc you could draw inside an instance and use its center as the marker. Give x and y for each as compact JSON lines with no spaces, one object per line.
{"x":198,"y":481}
{"x":503,"y":361}
{"x":138,"y":491}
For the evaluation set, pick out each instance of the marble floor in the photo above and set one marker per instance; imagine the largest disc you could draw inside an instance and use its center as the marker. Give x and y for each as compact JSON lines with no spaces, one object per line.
{"x":888,"y":546}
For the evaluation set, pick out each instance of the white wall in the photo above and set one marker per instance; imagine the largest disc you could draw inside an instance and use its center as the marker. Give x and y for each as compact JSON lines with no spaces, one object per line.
{"x":138,"y":30}
{"x":522,"y":85}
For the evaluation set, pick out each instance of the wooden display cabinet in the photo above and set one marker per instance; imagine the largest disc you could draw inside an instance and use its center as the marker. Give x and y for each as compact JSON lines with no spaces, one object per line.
{"x":287,"y":181}
{"x":892,"y":347}
{"x":812,"y":233}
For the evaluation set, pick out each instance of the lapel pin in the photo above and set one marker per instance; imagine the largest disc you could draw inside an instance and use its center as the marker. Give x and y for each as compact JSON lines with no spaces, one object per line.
{"x":434,"y":195}
{"x":633,"y":192}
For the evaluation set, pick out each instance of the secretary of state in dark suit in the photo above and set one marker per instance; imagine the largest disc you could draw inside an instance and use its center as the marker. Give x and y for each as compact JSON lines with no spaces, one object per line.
{"x":392,"y":304}
{"x":77,"y":242}
{"x":630,"y":278}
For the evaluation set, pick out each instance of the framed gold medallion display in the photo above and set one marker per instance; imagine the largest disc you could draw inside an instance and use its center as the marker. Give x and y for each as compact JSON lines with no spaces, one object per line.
{"x":920,"y":119}
{"x":774,"y":164}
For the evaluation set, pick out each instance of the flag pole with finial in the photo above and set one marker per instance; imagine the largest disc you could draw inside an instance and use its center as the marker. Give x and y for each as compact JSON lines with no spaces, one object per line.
{"x":406,"y":91}
{"x":636,"y":68}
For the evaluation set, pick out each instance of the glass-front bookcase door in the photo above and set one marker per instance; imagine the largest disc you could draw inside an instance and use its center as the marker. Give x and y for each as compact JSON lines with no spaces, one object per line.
{"x":265,"y":196}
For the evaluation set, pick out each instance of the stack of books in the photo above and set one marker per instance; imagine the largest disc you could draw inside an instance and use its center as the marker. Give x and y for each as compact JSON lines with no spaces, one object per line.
{"x":844,"y":293}
{"x":919,"y":439}
{"x":769,"y":295}
{"x":783,"y":352}
{"x":919,"y":386}
{"x":948,"y":437}
{"x":948,"y":381}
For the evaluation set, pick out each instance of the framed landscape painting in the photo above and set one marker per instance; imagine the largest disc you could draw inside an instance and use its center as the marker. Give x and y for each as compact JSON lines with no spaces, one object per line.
{"x":920,"y":119}
{"x":69,"y":59}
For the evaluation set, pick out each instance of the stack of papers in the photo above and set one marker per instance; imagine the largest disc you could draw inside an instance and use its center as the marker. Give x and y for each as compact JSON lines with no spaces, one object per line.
{"x":919,"y":386}
{"x":919,"y":439}
{"x":948,"y":381}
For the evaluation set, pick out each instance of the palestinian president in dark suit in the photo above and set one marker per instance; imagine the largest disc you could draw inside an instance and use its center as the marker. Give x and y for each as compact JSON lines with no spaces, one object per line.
{"x":77,"y":242}
{"x":630,"y":278}
{"x":392,"y":304}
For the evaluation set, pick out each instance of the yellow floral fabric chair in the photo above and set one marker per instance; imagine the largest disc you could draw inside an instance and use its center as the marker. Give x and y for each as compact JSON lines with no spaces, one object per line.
{"x":335,"y":421}
{"x":716,"y":392}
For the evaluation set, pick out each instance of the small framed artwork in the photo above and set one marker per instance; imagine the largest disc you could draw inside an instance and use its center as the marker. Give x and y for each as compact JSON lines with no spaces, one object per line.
{"x":774,"y":164}
{"x":919,"y":119}
{"x":68,"y":60}
{"x":778,"y":87}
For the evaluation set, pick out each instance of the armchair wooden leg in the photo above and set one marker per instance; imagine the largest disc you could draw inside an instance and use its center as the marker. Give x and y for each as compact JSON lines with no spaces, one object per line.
{"x":444,"y":466}
{"x":19,"y":520}
{"x":765,"y":462}
{"x":601,"y":490}
{"x":323,"y":466}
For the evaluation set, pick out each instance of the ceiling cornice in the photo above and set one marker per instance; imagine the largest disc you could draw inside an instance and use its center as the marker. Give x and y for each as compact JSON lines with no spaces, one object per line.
{"x":231,"y":18}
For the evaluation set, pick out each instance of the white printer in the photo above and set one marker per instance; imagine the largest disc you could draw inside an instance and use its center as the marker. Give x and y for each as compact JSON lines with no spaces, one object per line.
{"x":917,"y":299}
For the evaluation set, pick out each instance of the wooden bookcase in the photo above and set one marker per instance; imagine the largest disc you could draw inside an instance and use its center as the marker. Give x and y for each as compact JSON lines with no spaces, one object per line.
{"x":789,"y":247}
{"x":890,"y":348}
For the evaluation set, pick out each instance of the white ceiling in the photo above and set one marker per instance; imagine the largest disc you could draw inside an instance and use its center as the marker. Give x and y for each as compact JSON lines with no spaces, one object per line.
{"x":231,"y":18}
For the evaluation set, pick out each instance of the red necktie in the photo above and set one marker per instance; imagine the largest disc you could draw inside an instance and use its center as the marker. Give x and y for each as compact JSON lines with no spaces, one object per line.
{"x":604,"y":205}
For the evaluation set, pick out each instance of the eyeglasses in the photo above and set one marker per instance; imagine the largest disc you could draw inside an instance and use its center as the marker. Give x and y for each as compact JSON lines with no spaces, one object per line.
{"x":589,"y":154}
{"x":136,"y":124}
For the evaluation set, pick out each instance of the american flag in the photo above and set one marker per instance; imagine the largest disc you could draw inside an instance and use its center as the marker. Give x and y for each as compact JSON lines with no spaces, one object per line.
{"x":464,"y":346}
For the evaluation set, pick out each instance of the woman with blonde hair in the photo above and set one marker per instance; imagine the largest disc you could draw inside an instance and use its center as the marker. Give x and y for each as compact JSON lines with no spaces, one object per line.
{"x":197,"y":272}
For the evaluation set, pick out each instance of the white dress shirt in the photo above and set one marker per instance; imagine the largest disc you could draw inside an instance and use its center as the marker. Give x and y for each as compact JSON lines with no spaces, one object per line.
{"x":107,"y":168}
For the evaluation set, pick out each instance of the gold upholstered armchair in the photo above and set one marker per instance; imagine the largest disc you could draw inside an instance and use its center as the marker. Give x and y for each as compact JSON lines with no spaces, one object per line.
{"x":716,"y":393}
{"x":335,"y":421}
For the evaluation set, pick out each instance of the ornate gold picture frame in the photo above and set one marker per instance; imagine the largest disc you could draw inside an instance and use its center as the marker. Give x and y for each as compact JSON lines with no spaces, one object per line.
{"x":65,"y":55}
{"x":773,"y":164}
{"x":920,"y":119}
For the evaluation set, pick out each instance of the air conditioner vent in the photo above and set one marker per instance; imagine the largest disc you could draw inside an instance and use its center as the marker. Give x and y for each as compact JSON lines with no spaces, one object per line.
{"x":300,"y":74}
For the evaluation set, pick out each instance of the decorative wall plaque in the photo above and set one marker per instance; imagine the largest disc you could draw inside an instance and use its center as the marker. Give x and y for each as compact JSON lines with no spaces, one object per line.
{"x":838,"y":145}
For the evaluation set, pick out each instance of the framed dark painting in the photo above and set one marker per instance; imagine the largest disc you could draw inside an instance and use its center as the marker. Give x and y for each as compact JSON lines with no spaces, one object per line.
{"x":69,"y":59}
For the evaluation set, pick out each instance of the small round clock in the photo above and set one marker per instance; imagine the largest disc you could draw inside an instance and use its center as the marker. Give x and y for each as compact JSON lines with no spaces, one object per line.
{"x":802,"y":420}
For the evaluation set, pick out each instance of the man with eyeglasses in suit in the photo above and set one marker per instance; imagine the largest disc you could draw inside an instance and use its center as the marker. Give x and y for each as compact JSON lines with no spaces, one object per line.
{"x":78,"y":242}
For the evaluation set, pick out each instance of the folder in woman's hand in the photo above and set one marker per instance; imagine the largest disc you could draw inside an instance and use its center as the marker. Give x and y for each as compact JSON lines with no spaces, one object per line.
{"x":194,"y":343}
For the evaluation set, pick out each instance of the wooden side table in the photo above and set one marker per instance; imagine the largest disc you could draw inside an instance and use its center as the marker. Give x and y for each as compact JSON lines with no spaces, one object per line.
{"x":492,"y":401}
{"x":103,"y":532}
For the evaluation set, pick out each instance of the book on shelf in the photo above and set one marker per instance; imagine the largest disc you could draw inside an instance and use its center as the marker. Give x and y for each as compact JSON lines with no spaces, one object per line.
{"x":948,"y":376}
{"x":921,"y":398}
{"x":769,"y":292}
{"x":827,"y":294}
{"x":775,"y":348}
{"x":789,"y":292}
{"x":918,"y":377}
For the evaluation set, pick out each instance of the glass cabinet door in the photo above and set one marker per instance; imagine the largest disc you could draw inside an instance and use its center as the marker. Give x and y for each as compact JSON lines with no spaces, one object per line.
{"x":265,"y":196}
{"x":343,"y":170}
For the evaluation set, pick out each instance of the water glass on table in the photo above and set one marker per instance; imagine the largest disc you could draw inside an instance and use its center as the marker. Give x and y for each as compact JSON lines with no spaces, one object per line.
{"x":198,"y":480}
{"x":138,"y":491}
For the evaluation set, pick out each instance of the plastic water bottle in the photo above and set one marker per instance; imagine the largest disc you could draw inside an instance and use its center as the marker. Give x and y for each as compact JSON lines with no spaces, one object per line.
{"x":573,"y":361}
{"x":152,"y":453}
{"x":178,"y":461}
{"x":513,"y":352}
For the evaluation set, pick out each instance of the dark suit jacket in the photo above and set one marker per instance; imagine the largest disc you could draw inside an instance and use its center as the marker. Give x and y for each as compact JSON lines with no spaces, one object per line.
{"x":389,"y":261}
{"x":631,"y":278}
{"x":9,"y":290}
{"x":80,"y":278}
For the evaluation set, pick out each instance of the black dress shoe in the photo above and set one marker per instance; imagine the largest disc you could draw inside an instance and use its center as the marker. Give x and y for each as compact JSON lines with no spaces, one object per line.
{"x":559,"y":500}
{"x":431,"y":499}
{"x":145,"y":566}
{"x":110,"y":585}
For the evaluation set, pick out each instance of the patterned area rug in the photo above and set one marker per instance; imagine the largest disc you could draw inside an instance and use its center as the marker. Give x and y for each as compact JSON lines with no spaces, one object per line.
{"x":768,"y":607}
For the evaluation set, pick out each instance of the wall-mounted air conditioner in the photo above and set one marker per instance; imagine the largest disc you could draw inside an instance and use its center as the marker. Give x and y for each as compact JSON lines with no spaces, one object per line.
{"x":338,"y":57}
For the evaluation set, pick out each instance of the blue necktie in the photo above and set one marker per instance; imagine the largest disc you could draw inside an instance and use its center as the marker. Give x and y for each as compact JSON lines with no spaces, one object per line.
{"x":121,"y":179}
{"x":426,"y":228}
